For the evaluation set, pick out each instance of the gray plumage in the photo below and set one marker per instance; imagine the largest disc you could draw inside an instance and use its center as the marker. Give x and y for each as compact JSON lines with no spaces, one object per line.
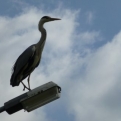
{"x":30,"y":58}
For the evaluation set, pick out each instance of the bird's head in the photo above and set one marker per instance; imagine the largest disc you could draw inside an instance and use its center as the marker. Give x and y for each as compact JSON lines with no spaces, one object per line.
{"x":48,"y":19}
{"x":45,"y":19}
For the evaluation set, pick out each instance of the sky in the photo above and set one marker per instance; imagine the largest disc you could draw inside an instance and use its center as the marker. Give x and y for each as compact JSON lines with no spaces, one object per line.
{"x":81,"y":55}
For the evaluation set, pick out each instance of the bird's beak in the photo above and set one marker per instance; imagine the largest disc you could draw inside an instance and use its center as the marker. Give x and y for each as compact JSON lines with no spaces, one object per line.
{"x":53,"y":19}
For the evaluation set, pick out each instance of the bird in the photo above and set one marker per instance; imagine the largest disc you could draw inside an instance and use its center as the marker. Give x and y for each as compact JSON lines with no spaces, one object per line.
{"x":30,"y":58}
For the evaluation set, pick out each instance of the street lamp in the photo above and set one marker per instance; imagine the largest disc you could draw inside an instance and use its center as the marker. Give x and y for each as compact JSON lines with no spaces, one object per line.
{"x":33,"y":99}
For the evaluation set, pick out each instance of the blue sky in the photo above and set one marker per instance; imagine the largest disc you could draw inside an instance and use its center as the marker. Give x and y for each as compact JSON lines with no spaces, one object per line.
{"x":82,"y":55}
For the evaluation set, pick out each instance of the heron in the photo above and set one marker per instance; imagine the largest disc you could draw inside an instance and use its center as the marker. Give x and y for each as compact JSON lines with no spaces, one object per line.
{"x":30,"y":58}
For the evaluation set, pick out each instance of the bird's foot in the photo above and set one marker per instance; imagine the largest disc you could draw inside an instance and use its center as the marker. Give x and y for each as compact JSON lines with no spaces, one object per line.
{"x":26,"y":88}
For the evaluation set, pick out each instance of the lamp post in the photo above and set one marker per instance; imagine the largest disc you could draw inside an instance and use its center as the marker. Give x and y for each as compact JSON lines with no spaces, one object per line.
{"x":33,"y":99}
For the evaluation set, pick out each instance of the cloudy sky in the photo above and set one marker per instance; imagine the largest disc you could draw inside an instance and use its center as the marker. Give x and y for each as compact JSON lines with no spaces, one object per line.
{"x":82,"y":55}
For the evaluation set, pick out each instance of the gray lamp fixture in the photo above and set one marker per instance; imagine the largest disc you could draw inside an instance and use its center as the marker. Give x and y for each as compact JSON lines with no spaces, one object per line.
{"x":33,"y":99}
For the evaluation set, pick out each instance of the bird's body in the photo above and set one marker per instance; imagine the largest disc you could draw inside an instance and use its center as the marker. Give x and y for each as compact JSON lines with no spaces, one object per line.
{"x":30,"y":58}
{"x":28,"y":64}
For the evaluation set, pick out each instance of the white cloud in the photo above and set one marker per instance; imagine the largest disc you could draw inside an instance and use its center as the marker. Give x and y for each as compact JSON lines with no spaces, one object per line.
{"x":18,"y":33}
{"x":90,"y":17}
{"x":89,"y":79}
{"x":97,"y":91}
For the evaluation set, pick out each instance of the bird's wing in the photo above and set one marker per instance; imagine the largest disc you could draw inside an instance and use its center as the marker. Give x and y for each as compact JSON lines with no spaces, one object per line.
{"x":24,"y":58}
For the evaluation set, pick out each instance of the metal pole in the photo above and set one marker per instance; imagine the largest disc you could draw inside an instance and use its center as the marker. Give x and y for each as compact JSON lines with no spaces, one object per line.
{"x":2,"y":109}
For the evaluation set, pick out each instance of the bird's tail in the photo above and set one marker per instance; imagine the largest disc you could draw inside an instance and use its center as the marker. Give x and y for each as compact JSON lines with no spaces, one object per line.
{"x":14,"y":81}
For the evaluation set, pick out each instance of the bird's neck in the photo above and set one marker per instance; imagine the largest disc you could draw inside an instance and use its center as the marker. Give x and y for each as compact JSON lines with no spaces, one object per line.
{"x":41,"y":42}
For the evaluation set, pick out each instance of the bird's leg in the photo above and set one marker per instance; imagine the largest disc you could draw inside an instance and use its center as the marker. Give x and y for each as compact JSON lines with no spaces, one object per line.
{"x":29,"y":81}
{"x":25,"y":87}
